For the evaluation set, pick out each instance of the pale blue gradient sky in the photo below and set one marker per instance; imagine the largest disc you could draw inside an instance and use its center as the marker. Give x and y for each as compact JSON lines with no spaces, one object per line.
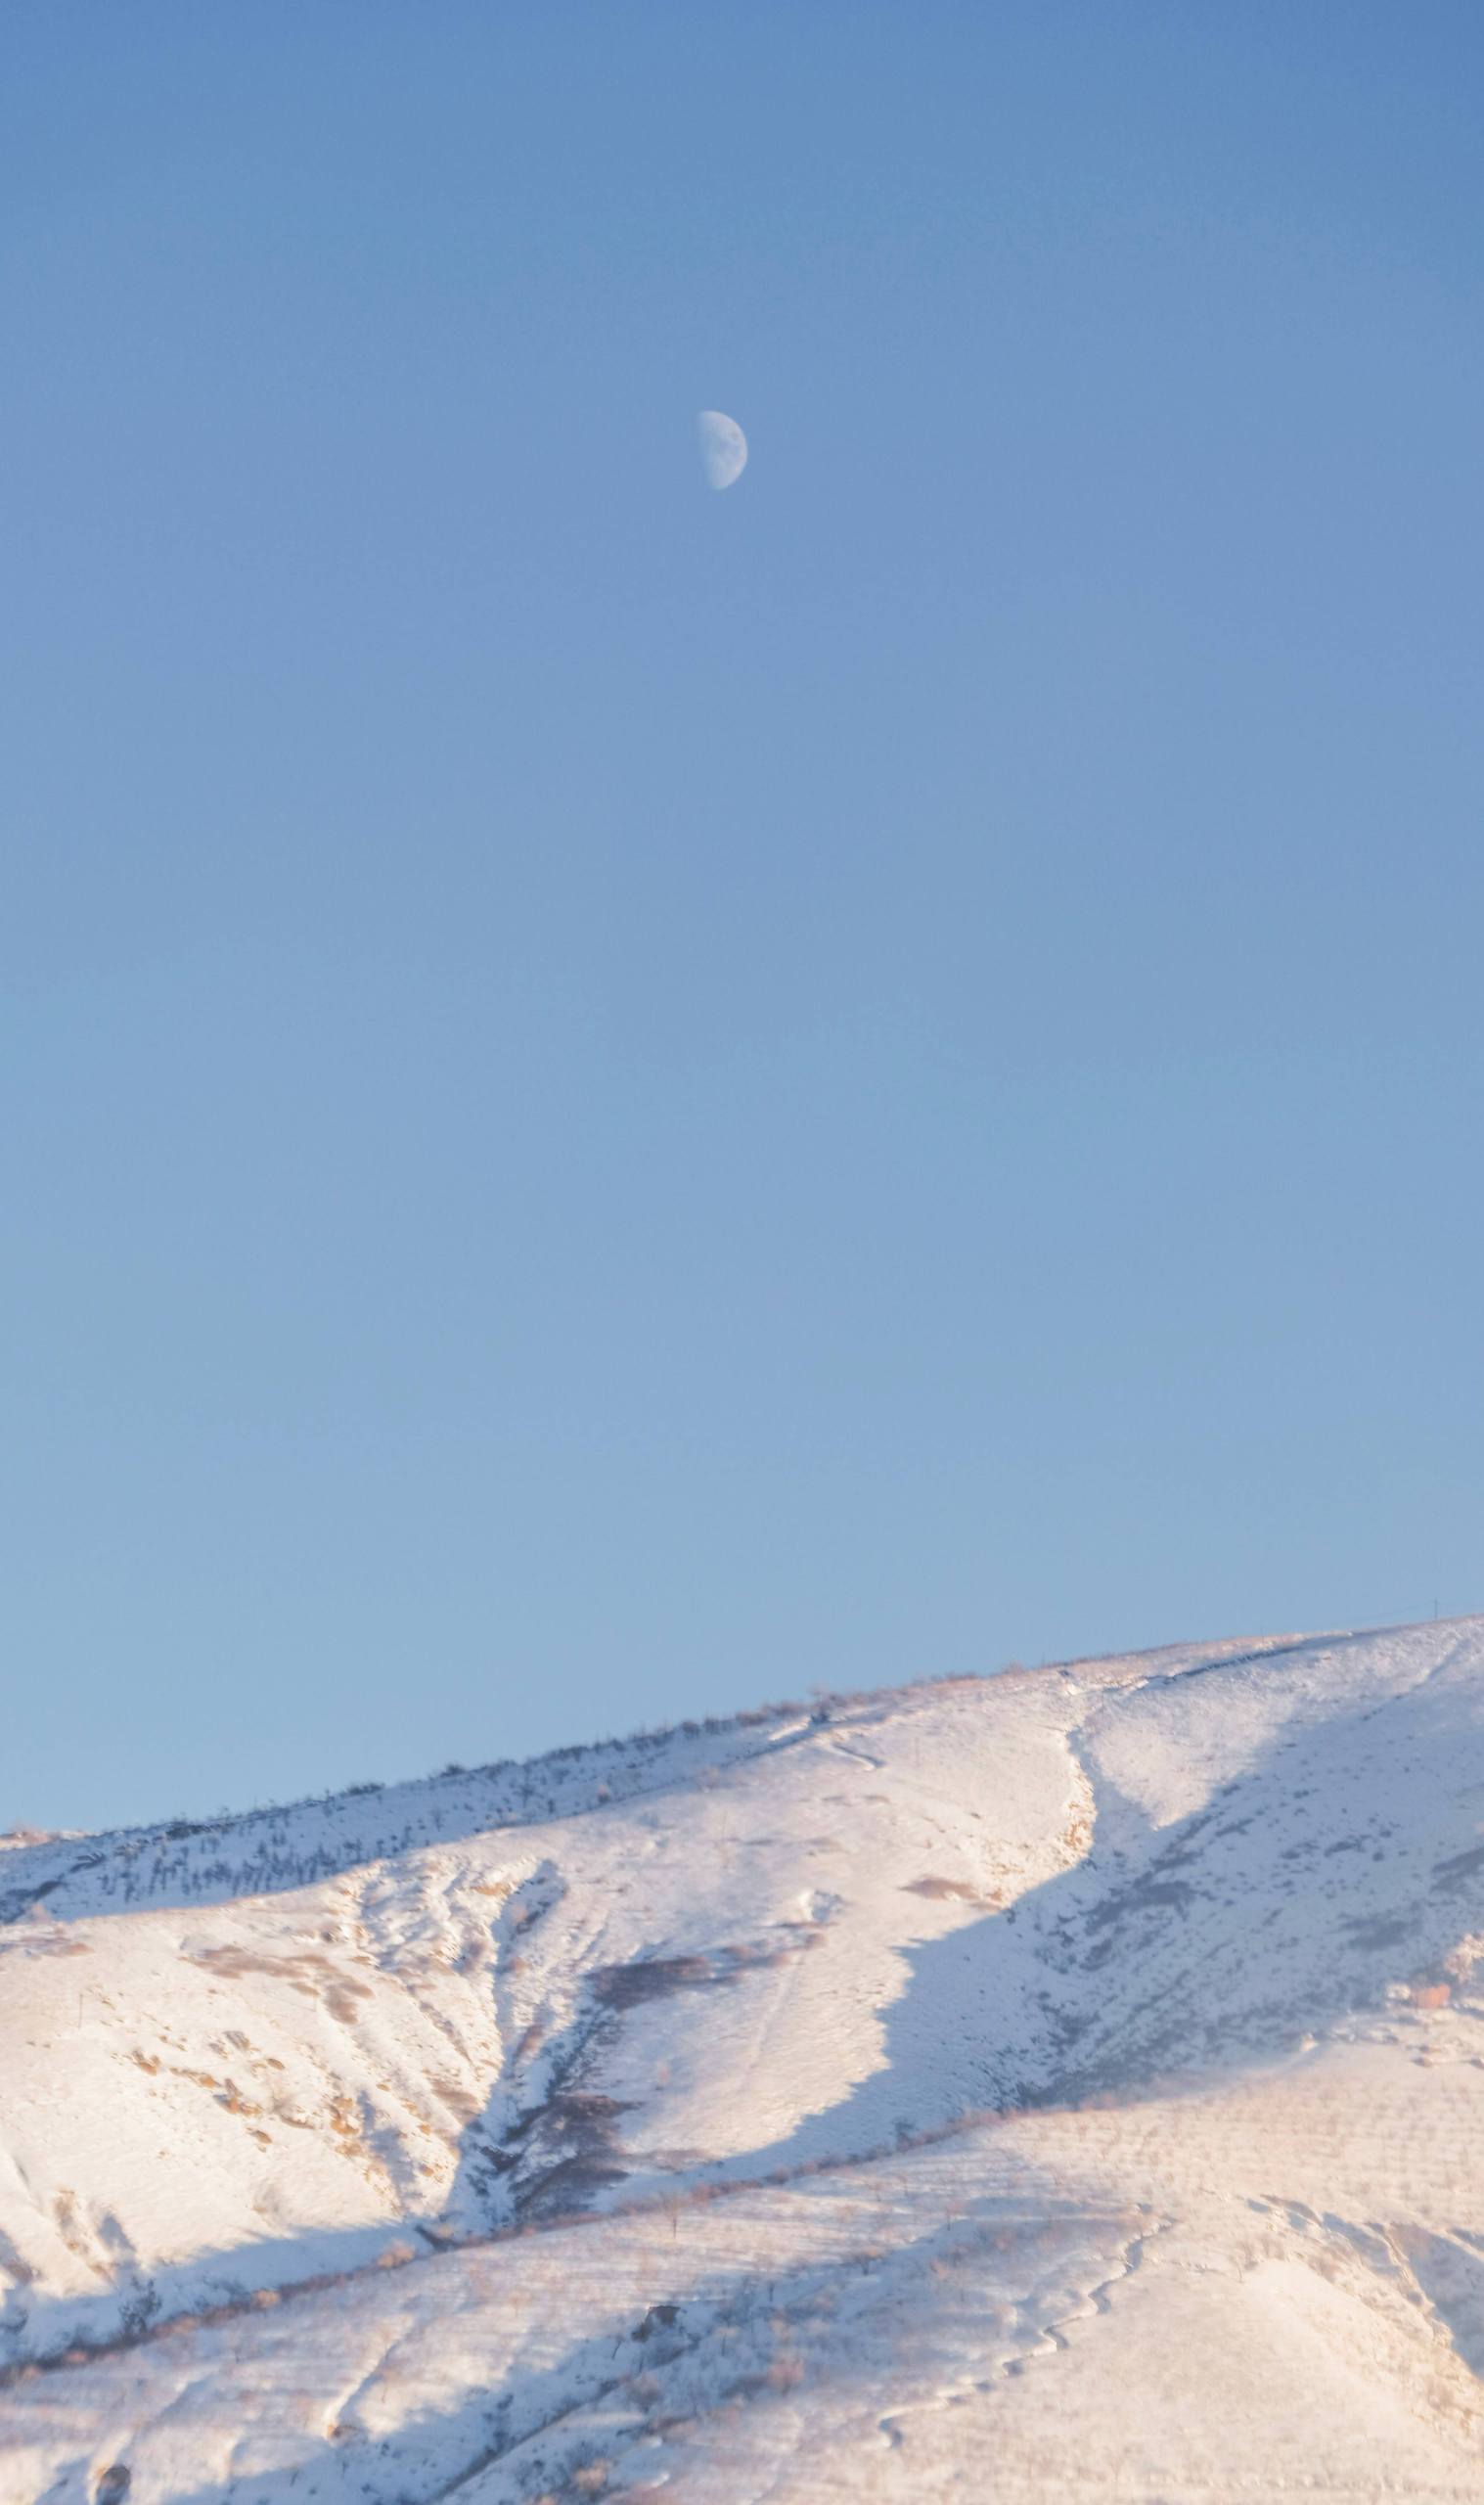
{"x":617,"y":1100}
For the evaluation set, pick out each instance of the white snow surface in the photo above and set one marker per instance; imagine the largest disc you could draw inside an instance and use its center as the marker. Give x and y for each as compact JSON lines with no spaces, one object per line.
{"x":1067,"y":2084}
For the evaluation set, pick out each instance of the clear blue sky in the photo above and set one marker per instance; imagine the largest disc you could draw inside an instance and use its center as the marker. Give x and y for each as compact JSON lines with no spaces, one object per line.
{"x":619,"y":1100}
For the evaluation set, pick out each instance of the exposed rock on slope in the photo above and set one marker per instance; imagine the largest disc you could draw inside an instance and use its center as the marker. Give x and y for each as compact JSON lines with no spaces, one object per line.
{"x":1069,"y":2082}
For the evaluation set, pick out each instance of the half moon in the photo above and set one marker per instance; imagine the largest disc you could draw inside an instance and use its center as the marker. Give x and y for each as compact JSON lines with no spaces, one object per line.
{"x":723,"y":447}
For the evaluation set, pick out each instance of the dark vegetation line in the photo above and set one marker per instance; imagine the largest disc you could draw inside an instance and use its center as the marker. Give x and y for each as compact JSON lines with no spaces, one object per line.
{"x":448,"y":2246}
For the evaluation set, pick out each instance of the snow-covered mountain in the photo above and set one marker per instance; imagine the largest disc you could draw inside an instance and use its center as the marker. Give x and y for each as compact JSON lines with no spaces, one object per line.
{"x":1064,"y":2084}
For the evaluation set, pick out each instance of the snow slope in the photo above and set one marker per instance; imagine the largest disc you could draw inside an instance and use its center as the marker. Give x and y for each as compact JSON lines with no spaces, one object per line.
{"x":1062,"y":2084}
